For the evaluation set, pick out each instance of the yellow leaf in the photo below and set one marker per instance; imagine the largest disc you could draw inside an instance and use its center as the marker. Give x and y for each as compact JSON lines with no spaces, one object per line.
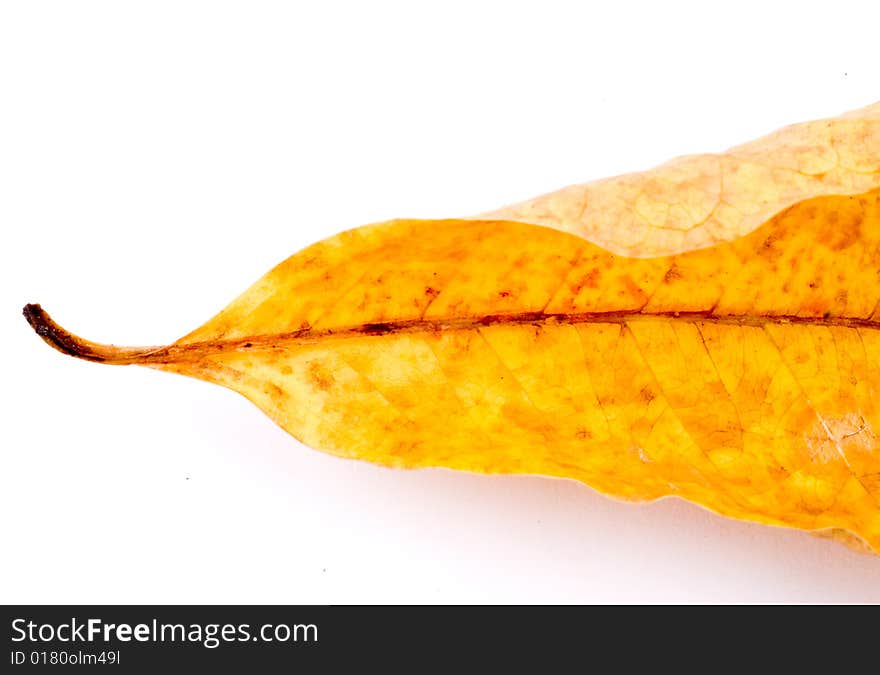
{"x":707,"y":329}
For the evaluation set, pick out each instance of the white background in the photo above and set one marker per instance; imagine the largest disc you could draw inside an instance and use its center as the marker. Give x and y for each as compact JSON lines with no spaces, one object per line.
{"x":158,"y":157}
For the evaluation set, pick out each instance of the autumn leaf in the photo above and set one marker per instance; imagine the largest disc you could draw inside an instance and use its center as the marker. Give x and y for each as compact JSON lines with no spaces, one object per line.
{"x":707,"y":329}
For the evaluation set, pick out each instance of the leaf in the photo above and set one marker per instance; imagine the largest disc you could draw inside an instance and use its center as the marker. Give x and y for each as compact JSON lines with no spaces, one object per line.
{"x":717,"y":339}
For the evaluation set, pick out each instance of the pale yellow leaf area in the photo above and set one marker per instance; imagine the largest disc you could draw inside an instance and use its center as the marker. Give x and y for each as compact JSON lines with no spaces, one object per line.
{"x":700,"y":200}
{"x":719,"y":339}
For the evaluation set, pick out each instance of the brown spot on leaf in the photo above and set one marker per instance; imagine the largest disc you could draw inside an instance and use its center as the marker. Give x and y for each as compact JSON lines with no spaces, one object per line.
{"x":647,"y":395}
{"x":592,"y":279}
{"x":843,"y":227}
{"x":672,"y":274}
{"x":768,"y":249}
{"x":274,"y":391}
{"x":320,"y":376}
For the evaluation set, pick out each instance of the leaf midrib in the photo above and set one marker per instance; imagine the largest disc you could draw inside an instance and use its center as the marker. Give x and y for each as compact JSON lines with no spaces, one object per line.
{"x":73,"y":345}
{"x":443,"y":324}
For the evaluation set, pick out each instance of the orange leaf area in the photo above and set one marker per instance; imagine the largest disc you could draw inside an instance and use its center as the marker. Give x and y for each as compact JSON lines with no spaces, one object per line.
{"x":743,"y":376}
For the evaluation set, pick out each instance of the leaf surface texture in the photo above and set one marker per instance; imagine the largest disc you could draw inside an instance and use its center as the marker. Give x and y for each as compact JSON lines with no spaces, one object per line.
{"x":707,"y":329}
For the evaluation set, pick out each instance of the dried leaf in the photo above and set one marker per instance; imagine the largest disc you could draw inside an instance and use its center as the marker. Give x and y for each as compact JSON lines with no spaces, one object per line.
{"x":707,"y":329}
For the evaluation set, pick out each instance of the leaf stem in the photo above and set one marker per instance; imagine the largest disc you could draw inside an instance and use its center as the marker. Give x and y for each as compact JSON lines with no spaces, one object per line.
{"x":73,"y":345}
